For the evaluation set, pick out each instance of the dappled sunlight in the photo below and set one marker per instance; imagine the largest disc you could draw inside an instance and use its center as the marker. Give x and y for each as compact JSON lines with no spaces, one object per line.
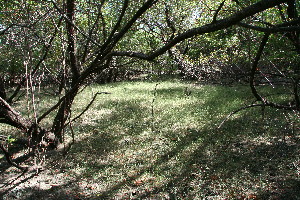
{"x":129,"y":146}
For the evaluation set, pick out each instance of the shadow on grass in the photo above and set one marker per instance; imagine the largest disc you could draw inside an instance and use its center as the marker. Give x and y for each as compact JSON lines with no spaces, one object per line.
{"x":247,"y":156}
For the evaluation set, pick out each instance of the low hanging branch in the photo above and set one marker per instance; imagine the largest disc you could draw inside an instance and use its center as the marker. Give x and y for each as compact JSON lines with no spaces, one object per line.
{"x":258,"y":97}
{"x":252,"y":76}
{"x":88,"y":106}
{"x":238,"y":110}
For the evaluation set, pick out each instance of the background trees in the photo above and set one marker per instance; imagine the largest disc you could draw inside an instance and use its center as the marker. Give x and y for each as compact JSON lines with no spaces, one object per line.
{"x":70,"y":44}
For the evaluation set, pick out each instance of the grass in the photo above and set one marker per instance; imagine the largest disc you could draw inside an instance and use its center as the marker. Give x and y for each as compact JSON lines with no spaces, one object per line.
{"x":150,"y":140}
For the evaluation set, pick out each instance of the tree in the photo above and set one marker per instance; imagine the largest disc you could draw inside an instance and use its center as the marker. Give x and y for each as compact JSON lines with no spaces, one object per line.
{"x":91,"y":35}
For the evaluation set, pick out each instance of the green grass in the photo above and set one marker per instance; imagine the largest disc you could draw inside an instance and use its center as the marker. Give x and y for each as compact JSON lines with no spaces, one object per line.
{"x":149,"y":140}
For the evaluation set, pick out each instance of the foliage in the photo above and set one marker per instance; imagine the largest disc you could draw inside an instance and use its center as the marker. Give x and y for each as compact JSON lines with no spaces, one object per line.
{"x":68,"y":45}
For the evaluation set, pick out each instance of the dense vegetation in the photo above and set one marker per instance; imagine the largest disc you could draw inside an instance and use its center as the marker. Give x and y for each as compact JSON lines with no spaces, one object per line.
{"x":66,"y":67}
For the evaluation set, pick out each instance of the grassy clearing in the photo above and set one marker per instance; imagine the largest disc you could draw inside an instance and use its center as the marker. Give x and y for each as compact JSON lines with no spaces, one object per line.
{"x":154,"y":140}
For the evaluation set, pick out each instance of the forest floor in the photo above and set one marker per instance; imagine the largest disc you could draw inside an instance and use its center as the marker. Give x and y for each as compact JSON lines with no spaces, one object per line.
{"x":162,"y":140}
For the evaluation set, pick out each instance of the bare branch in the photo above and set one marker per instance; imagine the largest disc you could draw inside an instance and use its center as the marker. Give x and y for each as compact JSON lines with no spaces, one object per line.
{"x":238,"y":110}
{"x":267,"y":104}
{"x":117,"y":25}
{"x":99,"y":16}
{"x":76,"y":27}
{"x":47,"y":49}
{"x":88,"y":106}
{"x":217,"y":11}
{"x":169,"y":21}
{"x":254,"y":67}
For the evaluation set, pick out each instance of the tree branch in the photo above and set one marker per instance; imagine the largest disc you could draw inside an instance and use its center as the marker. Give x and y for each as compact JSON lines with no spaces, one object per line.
{"x":96,"y":22}
{"x":217,"y":11}
{"x":268,"y":104}
{"x":117,"y":25}
{"x":36,"y":67}
{"x":88,"y":106}
{"x":208,"y":28}
{"x":276,"y":29}
{"x":254,"y":67}
{"x":76,"y":27}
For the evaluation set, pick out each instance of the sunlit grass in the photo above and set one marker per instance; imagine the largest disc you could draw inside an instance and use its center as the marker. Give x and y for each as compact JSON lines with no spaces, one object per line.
{"x":151,"y":138}
{"x":154,"y":140}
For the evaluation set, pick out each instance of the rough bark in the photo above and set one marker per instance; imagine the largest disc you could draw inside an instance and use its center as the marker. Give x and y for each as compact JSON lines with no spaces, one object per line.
{"x":62,"y":116}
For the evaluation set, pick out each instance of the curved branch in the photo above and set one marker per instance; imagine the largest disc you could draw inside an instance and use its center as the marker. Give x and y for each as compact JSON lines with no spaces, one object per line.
{"x":254,"y":67}
{"x":268,"y":104}
{"x":208,"y":28}
{"x":88,"y":106}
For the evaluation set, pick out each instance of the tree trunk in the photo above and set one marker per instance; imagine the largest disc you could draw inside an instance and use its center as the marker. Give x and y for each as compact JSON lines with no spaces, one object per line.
{"x":62,"y":116}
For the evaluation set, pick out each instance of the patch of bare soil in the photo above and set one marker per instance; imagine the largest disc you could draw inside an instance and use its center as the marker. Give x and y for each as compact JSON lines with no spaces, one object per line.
{"x":38,"y":182}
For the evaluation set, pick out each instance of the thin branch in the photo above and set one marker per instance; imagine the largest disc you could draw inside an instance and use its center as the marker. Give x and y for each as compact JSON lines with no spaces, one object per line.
{"x":217,"y":11}
{"x":275,"y":29}
{"x":169,"y":21}
{"x":47,"y":49}
{"x":238,"y":110}
{"x":76,"y":27}
{"x":117,"y":25}
{"x":254,"y":67}
{"x":107,"y":47}
{"x":99,"y":16}
{"x":88,"y":106}
{"x":267,"y":104}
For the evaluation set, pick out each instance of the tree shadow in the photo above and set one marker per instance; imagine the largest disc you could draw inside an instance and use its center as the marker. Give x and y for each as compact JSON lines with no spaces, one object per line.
{"x":230,"y":162}
{"x":4,"y":165}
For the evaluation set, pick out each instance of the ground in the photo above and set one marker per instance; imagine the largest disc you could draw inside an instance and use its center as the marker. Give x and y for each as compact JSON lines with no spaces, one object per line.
{"x":153,"y":140}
